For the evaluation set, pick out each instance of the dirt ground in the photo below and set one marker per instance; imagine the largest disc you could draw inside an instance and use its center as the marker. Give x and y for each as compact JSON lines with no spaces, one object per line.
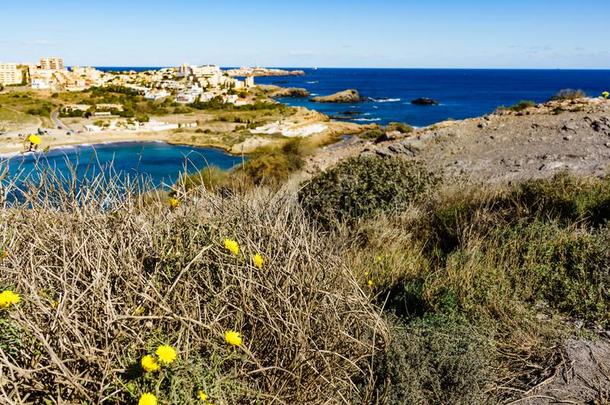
{"x":582,"y":378}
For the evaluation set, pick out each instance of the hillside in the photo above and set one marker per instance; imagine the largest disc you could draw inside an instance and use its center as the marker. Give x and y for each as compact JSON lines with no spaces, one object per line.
{"x":534,"y":142}
{"x":380,"y":280}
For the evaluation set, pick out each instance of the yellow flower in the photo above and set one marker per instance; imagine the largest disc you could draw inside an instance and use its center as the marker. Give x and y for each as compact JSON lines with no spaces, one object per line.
{"x":3,"y":254}
{"x":202,"y":396}
{"x":8,"y":298}
{"x":370,"y":283}
{"x":147,"y":399}
{"x":149,"y":364}
{"x":605,"y":95}
{"x":34,"y":139}
{"x":258,"y":260}
{"x":232,"y":246}
{"x":174,"y":202}
{"x":233,"y":338}
{"x":166,"y":354}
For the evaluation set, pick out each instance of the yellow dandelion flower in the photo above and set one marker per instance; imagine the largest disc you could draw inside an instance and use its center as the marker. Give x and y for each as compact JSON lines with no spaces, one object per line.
{"x":166,"y":354}
{"x":8,"y":298}
{"x":34,"y":139}
{"x":173,"y":202}
{"x":3,"y":254}
{"x":258,"y":260}
{"x":605,"y":95}
{"x":202,"y":396}
{"x":147,"y":399}
{"x":233,"y":338}
{"x":232,"y":246}
{"x":370,"y":283}
{"x":150,"y":364}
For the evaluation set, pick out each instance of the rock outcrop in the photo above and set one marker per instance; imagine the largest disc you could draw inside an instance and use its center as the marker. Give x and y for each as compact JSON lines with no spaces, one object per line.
{"x":277,"y":91}
{"x":424,"y":101}
{"x":537,"y":142}
{"x":346,"y":96}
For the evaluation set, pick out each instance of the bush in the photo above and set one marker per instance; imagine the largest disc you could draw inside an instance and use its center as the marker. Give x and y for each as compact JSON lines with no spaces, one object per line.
{"x":113,"y":278}
{"x":274,"y":166}
{"x":43,"y":110}
{"x":364,"y":186}
{"x":568,"y":94}
{"x":400,"y":127}
{"x":522,"y":105}
{"x":543,"y":240}
{"x":438,"y":360}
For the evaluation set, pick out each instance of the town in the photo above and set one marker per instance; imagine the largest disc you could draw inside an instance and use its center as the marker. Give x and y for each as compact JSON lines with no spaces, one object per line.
{"x":185,"y":84}
{"x":200,"y":105}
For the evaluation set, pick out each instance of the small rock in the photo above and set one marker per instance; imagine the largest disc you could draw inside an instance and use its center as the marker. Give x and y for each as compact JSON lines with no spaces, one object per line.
{"x":569,"y":126}
{"x":567,"y":138}
{"x":424,"y":101}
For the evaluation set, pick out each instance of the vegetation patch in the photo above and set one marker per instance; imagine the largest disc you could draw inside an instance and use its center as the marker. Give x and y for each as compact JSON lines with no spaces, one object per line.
{"x":364,"y":186}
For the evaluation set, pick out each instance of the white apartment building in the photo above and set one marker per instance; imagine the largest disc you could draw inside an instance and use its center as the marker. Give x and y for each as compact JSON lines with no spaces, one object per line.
{"x":156,"y":94}
{"x":10,"y":74}
{"x":40,"y":83}
{"x":51,"y":64}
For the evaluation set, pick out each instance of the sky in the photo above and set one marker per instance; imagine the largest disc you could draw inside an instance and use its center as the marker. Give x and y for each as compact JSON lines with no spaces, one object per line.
{"x":313,"y":33}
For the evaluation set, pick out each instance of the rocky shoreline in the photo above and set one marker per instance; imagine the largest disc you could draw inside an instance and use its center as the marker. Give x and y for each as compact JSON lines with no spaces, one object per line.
{"x":539,"y":141}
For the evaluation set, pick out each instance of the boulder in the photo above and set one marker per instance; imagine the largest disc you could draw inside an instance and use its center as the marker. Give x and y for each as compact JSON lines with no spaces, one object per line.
{"x":346,"y":96}
{"x":424,"y":101}
{"x":277,"y":91}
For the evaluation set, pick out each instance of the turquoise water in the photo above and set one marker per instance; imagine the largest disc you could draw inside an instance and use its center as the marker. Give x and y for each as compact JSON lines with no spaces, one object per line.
{"x":157,"y":162}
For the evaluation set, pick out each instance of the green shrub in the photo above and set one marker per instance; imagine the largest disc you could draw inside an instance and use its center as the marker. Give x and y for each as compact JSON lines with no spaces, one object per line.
{"x":522,"y":105}
{"x":211,"y":178}
{"x":568,"y":94}
{"x":43,"y":110}
{"x":274,"y":166}
{"x":364,"y":186}
{"x":567,"y":268}
{"x":400,"y":127}
{"x":543,"y":240}
{"x":567,"y":198}
{"x":437,"y":360}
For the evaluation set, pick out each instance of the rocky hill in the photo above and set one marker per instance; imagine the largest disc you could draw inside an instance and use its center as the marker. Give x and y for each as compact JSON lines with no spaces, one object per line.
{"x":345,"y":96}
{"x":531,"y":142}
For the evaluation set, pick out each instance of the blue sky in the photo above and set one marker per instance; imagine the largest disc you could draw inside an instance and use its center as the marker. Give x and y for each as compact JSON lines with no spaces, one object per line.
{"x":323,"y":33}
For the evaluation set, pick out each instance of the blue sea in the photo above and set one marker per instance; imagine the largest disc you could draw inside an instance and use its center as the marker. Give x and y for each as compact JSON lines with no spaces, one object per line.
{"x":462,"y":93}
{"x":158,"y":162}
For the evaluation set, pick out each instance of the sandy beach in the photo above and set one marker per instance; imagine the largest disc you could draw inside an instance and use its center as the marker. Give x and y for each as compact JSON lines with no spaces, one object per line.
{"x":16,"y":145}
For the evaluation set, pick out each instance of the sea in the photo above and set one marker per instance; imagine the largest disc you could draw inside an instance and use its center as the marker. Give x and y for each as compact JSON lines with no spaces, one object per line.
{"x":156,"y":163}
{"x":461,"y":93}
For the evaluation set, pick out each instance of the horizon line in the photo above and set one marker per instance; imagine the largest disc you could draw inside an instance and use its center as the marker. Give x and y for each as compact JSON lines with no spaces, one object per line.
{"x":355,"y":67}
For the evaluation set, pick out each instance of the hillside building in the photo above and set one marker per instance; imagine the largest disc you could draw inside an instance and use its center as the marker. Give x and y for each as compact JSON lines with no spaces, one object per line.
{"x":10,"y":74}
{"x":51,"y":64}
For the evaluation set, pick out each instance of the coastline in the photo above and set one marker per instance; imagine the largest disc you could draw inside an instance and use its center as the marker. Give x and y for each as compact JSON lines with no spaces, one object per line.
{"x":9,"y":150}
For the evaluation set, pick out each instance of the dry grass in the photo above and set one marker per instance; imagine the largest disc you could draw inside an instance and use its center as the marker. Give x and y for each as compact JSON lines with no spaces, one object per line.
{"x":105,"y":275}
